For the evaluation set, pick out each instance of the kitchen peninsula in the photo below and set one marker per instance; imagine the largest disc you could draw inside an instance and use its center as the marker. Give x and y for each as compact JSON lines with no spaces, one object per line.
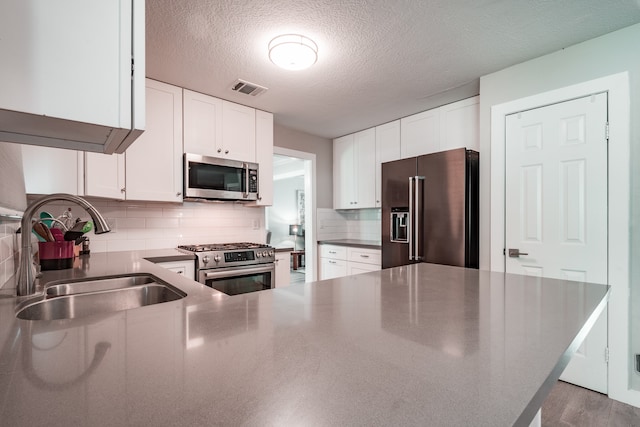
{"x":416,"y":345}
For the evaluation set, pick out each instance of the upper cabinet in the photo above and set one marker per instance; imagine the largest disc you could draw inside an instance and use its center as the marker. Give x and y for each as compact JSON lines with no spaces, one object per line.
{"x":387,"y":150}
{"x":353,"y":170}
{"x":152,"y":168}
{"x":420,"y":134}
{"x":264,"y":157}
{"x":454,"y":125}
{"x":72,"y":73}
{"x":217,"y":128}
{"x":154,"y":162}
{"x":52,"y":170}
{"x":238,"y":132}
{"x":202,"y":123}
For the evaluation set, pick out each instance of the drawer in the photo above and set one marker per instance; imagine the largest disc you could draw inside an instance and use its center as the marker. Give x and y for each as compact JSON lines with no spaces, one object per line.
{"x":367,"y":256}
{"x":332,"y":268}
{"x":334,"y":252}
{"x":359,"y":267}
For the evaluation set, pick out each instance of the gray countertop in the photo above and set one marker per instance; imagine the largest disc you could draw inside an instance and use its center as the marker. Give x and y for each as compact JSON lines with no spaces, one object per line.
{"x":416,"y":345}
{"x":356,"y":243}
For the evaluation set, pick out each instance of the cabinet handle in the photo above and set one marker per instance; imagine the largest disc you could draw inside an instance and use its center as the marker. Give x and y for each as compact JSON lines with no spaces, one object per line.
{"x":364,"y":256}
{"x":332,"y":252}
{"x":219,"y":150}
{"x":226,"y":151}
{"x":178,"y":194}
{"x":332,"y":262}
{"x":122,"y":190}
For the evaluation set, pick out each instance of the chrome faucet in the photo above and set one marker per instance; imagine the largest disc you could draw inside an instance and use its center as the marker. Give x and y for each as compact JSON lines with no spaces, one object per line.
{"x":26,"y":269}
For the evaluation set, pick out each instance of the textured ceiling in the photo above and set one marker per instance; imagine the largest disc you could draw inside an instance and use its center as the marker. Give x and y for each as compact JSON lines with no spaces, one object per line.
{"x":378,"y":59}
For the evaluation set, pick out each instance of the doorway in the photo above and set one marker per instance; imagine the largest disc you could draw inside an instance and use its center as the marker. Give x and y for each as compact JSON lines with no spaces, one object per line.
{"x":291,"y":219}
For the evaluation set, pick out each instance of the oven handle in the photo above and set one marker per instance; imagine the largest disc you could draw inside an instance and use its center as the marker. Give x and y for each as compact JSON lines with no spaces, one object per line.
{"x":237,"y":271}
{"x":246,"y":180}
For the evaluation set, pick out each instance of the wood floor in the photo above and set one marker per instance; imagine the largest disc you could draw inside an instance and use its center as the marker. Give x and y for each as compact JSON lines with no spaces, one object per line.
{"x":569,"y":405}
{"x":297,"y":276}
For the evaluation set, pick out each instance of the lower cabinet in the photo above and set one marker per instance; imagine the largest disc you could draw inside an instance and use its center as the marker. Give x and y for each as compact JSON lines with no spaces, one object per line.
{"x":339,"y":261}
{"x":185,"y":268}
{"x":283,"y":275}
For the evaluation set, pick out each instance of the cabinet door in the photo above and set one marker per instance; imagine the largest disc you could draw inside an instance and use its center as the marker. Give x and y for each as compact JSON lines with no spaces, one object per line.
{"x":184,"y":268}
{"x":343,"y":173}
{"x":51,"y":170}
{"x":459,"y":125}
{"x":154,"y":161}
{"x":283,"y":274}
{"x":420,"y":134}
{"x":364,"y":169}
{"x":202,"y":124}
{"x":359,"y":267}
{"x":387,"y":150}
{"x":332,"y":268}
{"x":238,"y":132}
{"x":264,"y":157}
{"x":104,"y":175}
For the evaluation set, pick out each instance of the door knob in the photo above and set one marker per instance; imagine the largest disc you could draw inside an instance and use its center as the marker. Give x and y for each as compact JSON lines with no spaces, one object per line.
{"x":515,"y":253}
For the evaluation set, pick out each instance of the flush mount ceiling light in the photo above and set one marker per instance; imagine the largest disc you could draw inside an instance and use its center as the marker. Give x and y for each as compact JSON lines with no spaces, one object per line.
{"x":293,"y":51}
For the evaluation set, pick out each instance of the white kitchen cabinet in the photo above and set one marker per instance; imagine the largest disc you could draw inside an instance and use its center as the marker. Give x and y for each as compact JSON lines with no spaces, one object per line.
{"x":202,"y":123}
{"x":68,"y":78}
{"x":52,"y":170}
{"x":154,"y":162}
{"x":184,"y":268}
{"x":459,"y":125}
{"x":387,"y":150}
{"x":354,"y":170}
{"x":104,"y":175}
{"x":339,"y":261}
{"x":420,"y":134}
{"x":264,"y":157}
{"x":238,"y":133}
{"x":283,"y":272}
{"x":217,"y":128}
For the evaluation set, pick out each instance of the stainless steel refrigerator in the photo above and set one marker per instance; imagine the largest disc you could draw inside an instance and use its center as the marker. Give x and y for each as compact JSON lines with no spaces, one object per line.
{"x":430,"y":209}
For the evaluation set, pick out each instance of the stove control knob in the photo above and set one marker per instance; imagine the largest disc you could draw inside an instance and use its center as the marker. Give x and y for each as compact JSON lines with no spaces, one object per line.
{"x":271,"y":253}
{"x":216,"y":258}
{"x":205,"y":259}
{"x":265,"y":254}
{"x":259,"y":254}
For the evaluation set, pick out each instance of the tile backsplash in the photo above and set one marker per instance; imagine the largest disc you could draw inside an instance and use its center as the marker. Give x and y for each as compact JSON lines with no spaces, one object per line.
{"x":140,"y":226}
{"x":362,"y":224}
{"x":8,"y":252}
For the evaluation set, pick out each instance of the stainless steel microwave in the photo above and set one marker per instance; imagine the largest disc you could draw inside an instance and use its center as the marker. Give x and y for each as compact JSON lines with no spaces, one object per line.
{"x":211,"y":178}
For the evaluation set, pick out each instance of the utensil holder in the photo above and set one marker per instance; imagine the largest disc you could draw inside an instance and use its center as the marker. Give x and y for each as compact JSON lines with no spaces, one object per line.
{"x":56,"y":255}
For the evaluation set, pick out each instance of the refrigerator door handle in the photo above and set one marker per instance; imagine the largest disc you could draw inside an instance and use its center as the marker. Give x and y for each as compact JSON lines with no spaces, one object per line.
{"x":411,"y":216}
{"x":419,"y":186}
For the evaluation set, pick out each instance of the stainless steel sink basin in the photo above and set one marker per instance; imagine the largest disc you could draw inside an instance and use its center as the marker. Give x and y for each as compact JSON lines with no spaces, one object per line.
{"x":72,"y":299}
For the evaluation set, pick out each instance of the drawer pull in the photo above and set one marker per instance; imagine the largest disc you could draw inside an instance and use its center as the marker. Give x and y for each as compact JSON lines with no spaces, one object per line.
{"x":332,"y":262}
{"x":364,"y":256}
{"x":332,"y":252}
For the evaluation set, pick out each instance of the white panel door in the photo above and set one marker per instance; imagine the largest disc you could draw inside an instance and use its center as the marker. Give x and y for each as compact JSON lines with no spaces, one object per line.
{"x":556,"y":208}
{"x":420,"y":134}
{"x":344,"y":191}
{"x":154,"y":161}
{"x":238,"y":132}
{"x":364,"y":173}
{"x":387,"y":150}
{"x":104,"y":175}
{"x":202,"y":124}
{"x":459,"y":125}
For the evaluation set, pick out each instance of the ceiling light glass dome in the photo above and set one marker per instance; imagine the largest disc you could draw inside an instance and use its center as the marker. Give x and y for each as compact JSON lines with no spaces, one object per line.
{"x":293,"y":51}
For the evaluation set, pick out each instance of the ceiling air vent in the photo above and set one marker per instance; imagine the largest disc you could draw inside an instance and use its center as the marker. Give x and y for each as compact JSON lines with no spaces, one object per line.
{"x":247,"y":88}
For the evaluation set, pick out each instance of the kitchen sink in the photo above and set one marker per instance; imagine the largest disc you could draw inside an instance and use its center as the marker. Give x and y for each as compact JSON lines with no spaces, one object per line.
{"x":80,"y":298}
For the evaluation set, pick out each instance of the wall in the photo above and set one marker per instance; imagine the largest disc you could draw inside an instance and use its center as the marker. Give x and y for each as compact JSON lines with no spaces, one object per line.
{"x":284,"y":197}
{"x":323,"y":149}
{"x":610,"y":54}
{"x":139,"y":225}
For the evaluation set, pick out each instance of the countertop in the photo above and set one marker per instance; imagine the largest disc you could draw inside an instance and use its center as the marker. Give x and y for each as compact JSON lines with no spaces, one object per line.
{"x":416,"y":345}
{"x":355,"y":243}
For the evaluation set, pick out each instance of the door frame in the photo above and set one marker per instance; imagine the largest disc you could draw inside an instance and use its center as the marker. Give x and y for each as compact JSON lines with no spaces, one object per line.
{"x":310,"y":258}
{"x":617,"y":86}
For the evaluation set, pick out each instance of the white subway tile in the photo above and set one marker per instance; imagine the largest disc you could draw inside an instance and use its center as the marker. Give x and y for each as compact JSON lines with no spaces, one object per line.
{"x":162,"y":222}
{"x":143,"y":212}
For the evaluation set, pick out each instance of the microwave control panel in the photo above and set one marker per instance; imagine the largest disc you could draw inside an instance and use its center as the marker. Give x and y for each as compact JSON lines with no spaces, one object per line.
{"x":253,"y":181}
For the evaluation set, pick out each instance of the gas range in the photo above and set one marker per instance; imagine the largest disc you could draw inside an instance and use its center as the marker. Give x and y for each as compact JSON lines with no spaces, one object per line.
{"x":230,"y":254}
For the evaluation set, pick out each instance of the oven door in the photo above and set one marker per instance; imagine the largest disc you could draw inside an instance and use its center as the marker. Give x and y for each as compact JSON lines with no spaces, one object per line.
{"x":239,"y":280}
